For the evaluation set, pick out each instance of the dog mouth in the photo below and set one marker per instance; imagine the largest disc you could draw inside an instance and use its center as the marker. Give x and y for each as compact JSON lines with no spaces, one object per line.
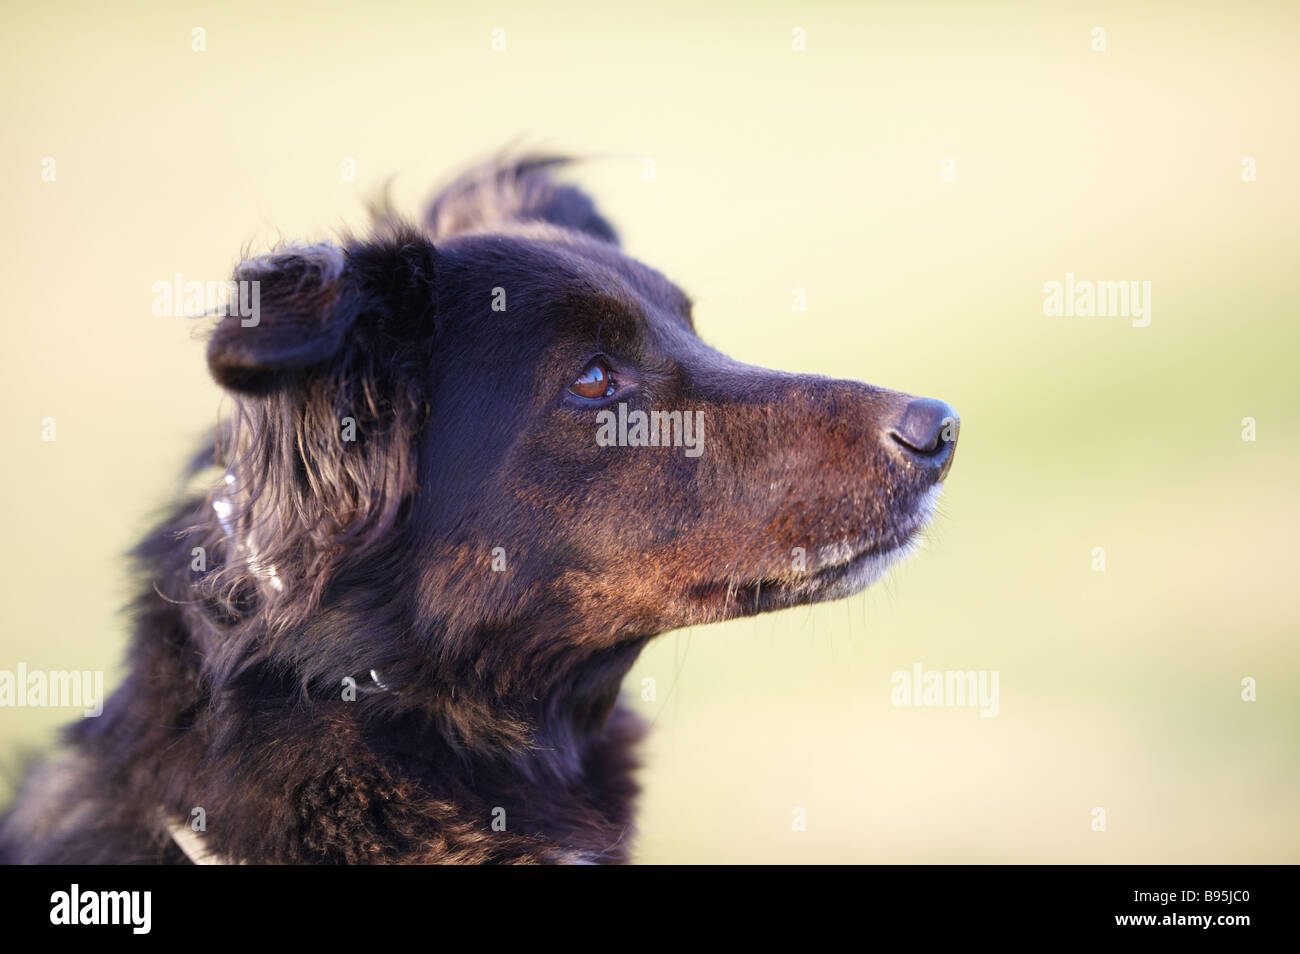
{"x":838,"y":570}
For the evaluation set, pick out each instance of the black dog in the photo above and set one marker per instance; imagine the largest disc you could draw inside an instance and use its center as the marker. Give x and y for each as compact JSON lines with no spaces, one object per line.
{"x":471,"y":469}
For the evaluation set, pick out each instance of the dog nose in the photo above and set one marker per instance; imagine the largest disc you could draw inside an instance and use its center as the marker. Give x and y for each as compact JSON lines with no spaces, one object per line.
{"x":926,"y":434}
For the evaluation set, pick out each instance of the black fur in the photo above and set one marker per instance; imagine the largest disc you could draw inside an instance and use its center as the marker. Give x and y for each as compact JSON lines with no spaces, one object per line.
{"x":490,"y":730}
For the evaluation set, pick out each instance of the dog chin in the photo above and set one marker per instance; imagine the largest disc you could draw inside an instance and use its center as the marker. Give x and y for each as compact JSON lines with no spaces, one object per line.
{"x":842,"y":568}
{"x":866,"y":569}
{"x":868,"y":564}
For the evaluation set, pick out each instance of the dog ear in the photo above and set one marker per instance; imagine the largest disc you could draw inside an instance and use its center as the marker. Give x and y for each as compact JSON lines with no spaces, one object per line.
{"x":296,"y":307}
{"x":331,"y":382}
{"x":515,"y":190}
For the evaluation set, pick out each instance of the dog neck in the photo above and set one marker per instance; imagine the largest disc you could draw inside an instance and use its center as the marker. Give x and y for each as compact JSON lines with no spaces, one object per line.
{"x":463,"y":746}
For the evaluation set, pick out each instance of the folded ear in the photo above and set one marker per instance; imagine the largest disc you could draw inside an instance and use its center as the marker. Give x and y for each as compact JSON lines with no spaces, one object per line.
{"x":331,"y":378}
{"x":296,"y":306}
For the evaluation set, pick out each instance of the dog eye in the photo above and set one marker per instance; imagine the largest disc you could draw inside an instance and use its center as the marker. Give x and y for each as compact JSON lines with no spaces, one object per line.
{"x":595,"y":382}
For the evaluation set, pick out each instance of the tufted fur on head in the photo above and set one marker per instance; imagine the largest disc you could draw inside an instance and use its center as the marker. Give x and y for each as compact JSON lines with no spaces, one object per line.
{"x":330,"y":391}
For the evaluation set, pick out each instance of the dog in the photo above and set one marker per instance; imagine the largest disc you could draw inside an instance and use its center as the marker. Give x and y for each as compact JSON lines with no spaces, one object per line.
{"x":470,"y":468}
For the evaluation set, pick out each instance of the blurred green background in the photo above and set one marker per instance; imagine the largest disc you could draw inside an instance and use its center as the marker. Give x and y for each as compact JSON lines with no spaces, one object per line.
{"x":774,"y":169}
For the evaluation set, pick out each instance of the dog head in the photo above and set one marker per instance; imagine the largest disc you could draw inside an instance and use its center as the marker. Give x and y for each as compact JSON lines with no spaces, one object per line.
{"x":495,"y":449}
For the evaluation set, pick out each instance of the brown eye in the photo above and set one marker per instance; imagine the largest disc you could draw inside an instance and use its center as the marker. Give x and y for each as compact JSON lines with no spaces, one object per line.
{"x":595,"y":382}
